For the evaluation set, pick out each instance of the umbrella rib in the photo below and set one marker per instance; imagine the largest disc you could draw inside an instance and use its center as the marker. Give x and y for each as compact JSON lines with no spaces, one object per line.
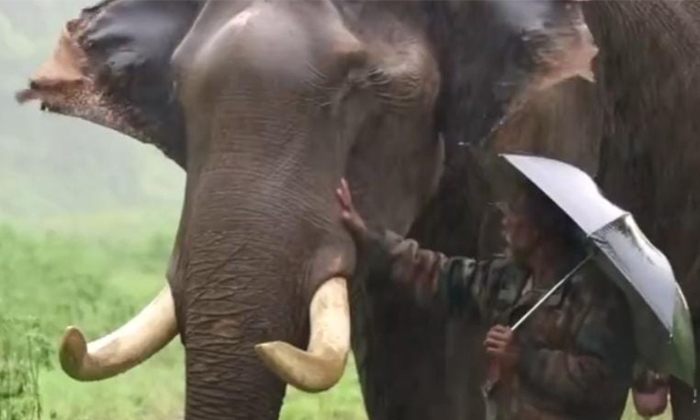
{"x":550,"y":292}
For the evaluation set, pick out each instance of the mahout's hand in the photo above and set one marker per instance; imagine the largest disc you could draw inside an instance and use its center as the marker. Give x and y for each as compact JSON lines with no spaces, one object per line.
{"x":502,"y":346}
{"x":351,"y":218}
{"x":650,"y":392}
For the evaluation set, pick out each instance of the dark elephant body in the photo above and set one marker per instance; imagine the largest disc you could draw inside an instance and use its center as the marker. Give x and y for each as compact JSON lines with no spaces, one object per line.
{"x":268,"y":104}
{"x":634,"y":130}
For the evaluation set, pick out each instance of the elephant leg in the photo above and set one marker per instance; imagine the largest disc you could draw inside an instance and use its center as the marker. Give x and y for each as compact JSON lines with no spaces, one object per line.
{"x":683,"y":401}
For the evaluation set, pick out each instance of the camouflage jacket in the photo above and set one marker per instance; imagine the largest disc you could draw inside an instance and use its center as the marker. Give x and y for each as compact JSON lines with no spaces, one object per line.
{"x":576,"y":352}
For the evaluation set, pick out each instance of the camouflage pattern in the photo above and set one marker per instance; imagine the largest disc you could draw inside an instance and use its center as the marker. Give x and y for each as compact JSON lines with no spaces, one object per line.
{"x":576,"y":352}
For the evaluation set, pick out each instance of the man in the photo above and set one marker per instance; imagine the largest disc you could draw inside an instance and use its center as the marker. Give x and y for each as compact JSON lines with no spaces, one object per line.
{"x":572,"y":359}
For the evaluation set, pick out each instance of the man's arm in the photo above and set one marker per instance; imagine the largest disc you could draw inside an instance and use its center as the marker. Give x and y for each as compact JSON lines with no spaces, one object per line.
{"x":598,"y":370}
{"x":387,"y":256}
{"x":429,"y":276}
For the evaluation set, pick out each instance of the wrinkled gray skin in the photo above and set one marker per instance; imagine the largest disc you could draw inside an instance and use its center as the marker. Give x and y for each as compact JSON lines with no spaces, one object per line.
{"x":267,"y":105}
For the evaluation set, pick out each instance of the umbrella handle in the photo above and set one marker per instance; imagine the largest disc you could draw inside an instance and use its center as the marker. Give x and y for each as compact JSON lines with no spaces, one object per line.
{"x":551,"y":291}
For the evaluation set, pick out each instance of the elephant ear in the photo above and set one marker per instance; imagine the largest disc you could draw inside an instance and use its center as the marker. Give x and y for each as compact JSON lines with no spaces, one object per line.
{"x":112,"y":67}
{"x":501,"y":54}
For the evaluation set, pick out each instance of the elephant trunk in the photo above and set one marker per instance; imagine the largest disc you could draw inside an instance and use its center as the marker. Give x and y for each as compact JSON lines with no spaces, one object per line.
{"x":266,"y":268}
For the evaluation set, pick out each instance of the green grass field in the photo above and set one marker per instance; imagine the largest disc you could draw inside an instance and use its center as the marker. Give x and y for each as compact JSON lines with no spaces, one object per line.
{"x":83,"y":273}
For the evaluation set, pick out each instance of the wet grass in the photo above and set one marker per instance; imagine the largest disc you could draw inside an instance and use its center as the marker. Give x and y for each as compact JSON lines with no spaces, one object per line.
{"x":97,"y":279}
{"x":96,"y":284}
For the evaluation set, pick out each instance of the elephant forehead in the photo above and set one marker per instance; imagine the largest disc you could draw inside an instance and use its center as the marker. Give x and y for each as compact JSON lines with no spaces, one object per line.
{"x":291,"y":46}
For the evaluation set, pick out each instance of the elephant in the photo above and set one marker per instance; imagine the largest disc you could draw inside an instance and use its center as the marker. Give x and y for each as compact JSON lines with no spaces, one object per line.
{"x":402,"y":98}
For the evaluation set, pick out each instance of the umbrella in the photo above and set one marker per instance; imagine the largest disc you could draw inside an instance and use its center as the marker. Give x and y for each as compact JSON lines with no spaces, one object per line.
{"x":660,"y":315}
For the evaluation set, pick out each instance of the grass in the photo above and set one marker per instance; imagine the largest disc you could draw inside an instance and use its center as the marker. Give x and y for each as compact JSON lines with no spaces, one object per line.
{"x":97,"y":279}
{"x":343,"y":402}
{"x":97,"y":285}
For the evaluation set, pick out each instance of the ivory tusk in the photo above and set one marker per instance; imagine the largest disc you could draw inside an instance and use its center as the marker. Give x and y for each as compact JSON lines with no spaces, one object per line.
{"x":323,"y":364}
{"x":139,"y":339}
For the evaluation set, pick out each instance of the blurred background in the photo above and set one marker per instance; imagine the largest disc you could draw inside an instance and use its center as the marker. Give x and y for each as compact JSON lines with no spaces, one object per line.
{"x":87,"y":219}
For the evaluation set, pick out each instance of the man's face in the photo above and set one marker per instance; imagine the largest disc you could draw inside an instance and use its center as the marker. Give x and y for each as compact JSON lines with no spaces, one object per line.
{"x":519,"y":231}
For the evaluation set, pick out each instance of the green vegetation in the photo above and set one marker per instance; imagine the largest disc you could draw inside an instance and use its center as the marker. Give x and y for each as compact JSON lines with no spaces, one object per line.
{"x":23,"y":352}
{"x":98,"y":282}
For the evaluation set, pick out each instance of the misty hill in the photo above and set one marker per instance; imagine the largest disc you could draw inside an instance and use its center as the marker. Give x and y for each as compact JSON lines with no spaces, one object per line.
{"x":52,"y":165}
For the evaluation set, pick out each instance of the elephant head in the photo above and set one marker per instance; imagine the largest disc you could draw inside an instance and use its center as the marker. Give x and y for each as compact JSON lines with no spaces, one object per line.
{"x":266,"y":106}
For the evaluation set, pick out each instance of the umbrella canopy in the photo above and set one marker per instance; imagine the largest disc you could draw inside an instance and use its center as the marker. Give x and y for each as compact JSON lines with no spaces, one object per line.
{"x":663,"y":329}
